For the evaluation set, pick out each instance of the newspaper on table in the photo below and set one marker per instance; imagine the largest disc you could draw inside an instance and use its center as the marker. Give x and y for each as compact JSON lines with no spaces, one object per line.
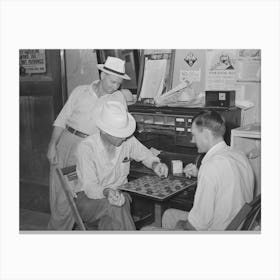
{"x":182,"y":95}
{"x":172,"y":95}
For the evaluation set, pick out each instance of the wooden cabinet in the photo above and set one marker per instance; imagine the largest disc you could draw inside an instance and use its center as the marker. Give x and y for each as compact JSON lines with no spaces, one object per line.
{"x":248,"y":140}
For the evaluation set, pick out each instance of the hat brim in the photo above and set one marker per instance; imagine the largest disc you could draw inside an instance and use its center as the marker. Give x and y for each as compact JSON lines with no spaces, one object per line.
{"x":117,"y":132}
{"x":101,"y":68}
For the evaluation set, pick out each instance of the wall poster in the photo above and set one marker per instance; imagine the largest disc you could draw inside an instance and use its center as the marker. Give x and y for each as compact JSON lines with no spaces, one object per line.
{"x":249,"y":65}
{"x":32,"y":61}
{"x":156,"y":72}
{"x":220,"y":69}
{"x":190,"y":65}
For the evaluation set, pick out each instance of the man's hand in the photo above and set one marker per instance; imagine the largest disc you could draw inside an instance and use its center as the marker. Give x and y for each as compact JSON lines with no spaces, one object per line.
{"x":52,"y":154}
{"x":190,"y":170}
{"x":181,"y":225}
{"x":160,"y":169}
{"x":115,"y":197}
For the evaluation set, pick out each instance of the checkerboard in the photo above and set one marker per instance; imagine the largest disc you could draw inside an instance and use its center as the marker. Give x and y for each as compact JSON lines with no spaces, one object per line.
{"x":155,"y":187}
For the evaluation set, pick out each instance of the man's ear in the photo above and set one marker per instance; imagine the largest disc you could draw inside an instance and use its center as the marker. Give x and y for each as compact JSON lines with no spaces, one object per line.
{"x":102,"y":75}
{"x":207,"y":134}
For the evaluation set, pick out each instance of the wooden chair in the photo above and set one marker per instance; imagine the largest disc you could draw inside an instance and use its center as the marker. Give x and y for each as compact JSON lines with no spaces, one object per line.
{"x":70,"y":173}
{"x":248,"y":216}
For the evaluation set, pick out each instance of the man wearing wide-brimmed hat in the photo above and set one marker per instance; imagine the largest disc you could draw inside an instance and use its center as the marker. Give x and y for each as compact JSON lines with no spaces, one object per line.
{"x":103,"y":163}
{"x":75,"y":122}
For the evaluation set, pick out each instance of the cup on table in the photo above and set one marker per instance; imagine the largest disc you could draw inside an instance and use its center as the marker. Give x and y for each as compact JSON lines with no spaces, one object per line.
{"x":177,"y":167}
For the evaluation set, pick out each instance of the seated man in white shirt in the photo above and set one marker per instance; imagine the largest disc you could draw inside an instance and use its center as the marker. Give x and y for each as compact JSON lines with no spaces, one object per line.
{"x":225,"y":180}
{"x":103,"y":162}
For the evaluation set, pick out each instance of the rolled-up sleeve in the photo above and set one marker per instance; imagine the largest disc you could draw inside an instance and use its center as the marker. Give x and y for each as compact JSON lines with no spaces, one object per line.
{"x":87,"y":173}
{"x":141,"y":153}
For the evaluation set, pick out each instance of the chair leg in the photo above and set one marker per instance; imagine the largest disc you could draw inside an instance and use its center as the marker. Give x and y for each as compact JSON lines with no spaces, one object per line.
{"x":75,"y":227}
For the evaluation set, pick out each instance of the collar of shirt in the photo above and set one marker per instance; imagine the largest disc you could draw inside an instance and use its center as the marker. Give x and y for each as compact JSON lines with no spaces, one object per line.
{"x":104,"y":151}
{"x":218,"y":147}
{"x":92,"y":88}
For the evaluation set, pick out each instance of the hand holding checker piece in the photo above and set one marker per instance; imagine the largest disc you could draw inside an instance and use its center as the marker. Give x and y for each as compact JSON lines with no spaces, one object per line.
{"x":190,"y":170}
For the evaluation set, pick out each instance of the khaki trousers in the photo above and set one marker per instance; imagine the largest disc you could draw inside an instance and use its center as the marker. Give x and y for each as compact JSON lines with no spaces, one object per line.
{"x":61,"y":215}
{"x":109,"y":217}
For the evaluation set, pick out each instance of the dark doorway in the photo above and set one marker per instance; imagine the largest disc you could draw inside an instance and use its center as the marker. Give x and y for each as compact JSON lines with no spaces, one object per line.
{"x":40,"y":102}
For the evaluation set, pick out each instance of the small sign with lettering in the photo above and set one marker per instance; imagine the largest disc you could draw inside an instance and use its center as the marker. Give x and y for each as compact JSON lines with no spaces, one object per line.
{"x":32,"y":61}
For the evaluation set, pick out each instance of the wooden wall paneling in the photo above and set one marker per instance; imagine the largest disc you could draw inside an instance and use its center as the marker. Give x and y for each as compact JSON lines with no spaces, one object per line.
{"x":35,"y":128}
{"x":40,"y":102}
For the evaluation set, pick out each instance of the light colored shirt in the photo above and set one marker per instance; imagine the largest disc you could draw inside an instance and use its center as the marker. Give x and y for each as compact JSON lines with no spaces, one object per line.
{"x":225,"y":183}
{"x":78,"y":111}
{"x":96,"y":171}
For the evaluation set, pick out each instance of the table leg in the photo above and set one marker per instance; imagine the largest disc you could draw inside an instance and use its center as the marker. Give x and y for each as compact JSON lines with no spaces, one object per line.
{"x":158,"y":214}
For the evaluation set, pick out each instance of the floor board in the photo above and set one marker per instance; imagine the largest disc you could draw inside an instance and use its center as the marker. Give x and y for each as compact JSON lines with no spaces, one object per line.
{"x":33,"y":220}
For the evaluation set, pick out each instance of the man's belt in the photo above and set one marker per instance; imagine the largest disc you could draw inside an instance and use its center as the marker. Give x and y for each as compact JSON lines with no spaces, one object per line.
{"x":76,"y":132}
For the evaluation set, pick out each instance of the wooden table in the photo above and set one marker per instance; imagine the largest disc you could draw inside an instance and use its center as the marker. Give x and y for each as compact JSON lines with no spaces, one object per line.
{"x":158,"y":190}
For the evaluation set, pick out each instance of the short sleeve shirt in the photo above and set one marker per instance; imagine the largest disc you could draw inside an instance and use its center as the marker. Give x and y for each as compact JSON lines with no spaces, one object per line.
{"x":78,"y":112}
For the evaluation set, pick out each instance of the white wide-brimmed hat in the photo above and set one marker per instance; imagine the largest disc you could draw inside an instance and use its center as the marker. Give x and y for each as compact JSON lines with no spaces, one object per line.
{"x":112,"y":118}
{"x":114,"y":66}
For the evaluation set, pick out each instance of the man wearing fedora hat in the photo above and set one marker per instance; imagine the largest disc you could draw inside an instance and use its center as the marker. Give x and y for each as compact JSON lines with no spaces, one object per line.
{"x":103,"y":162}
{"x":75,"y":122}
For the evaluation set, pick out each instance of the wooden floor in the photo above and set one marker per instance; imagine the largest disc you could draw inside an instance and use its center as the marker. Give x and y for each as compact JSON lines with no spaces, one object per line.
{"x":33,"y":220}
{"x":34,"y":206}
{"x":35,"y":209}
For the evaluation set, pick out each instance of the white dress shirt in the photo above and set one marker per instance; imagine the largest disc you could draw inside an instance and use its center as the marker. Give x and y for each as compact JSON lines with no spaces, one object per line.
{"x":78,"y":111}
{"x":225,"y":183}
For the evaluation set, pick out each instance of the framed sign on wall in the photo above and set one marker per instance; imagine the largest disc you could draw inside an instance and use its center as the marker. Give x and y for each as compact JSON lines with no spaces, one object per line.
{"x":155,"y":74}
{"x":32,"y":61}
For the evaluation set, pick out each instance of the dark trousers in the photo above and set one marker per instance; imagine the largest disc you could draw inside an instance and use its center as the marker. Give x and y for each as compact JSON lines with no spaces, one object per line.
{"x":107,"y":216}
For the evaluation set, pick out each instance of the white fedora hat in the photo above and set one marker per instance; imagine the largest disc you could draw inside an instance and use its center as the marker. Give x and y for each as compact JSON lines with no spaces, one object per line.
{"x":114,"y":66}
{"x":112,"y":118}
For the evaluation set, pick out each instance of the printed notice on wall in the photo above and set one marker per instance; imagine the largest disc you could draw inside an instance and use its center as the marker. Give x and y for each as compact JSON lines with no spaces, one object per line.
{"x":153,"y":81}
{"x":249,"y":65}
{"x":220,"y":69}
{"x":32,"y":61}
{"x":190,"y":75}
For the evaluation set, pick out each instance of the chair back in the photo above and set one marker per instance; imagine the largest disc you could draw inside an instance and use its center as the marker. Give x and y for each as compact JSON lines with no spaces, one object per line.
{"x":248,"y":215}
{"x":70,"y":173}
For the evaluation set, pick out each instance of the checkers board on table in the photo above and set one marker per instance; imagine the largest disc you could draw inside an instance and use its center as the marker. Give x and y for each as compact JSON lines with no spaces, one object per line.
{"x":155,"y":187}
